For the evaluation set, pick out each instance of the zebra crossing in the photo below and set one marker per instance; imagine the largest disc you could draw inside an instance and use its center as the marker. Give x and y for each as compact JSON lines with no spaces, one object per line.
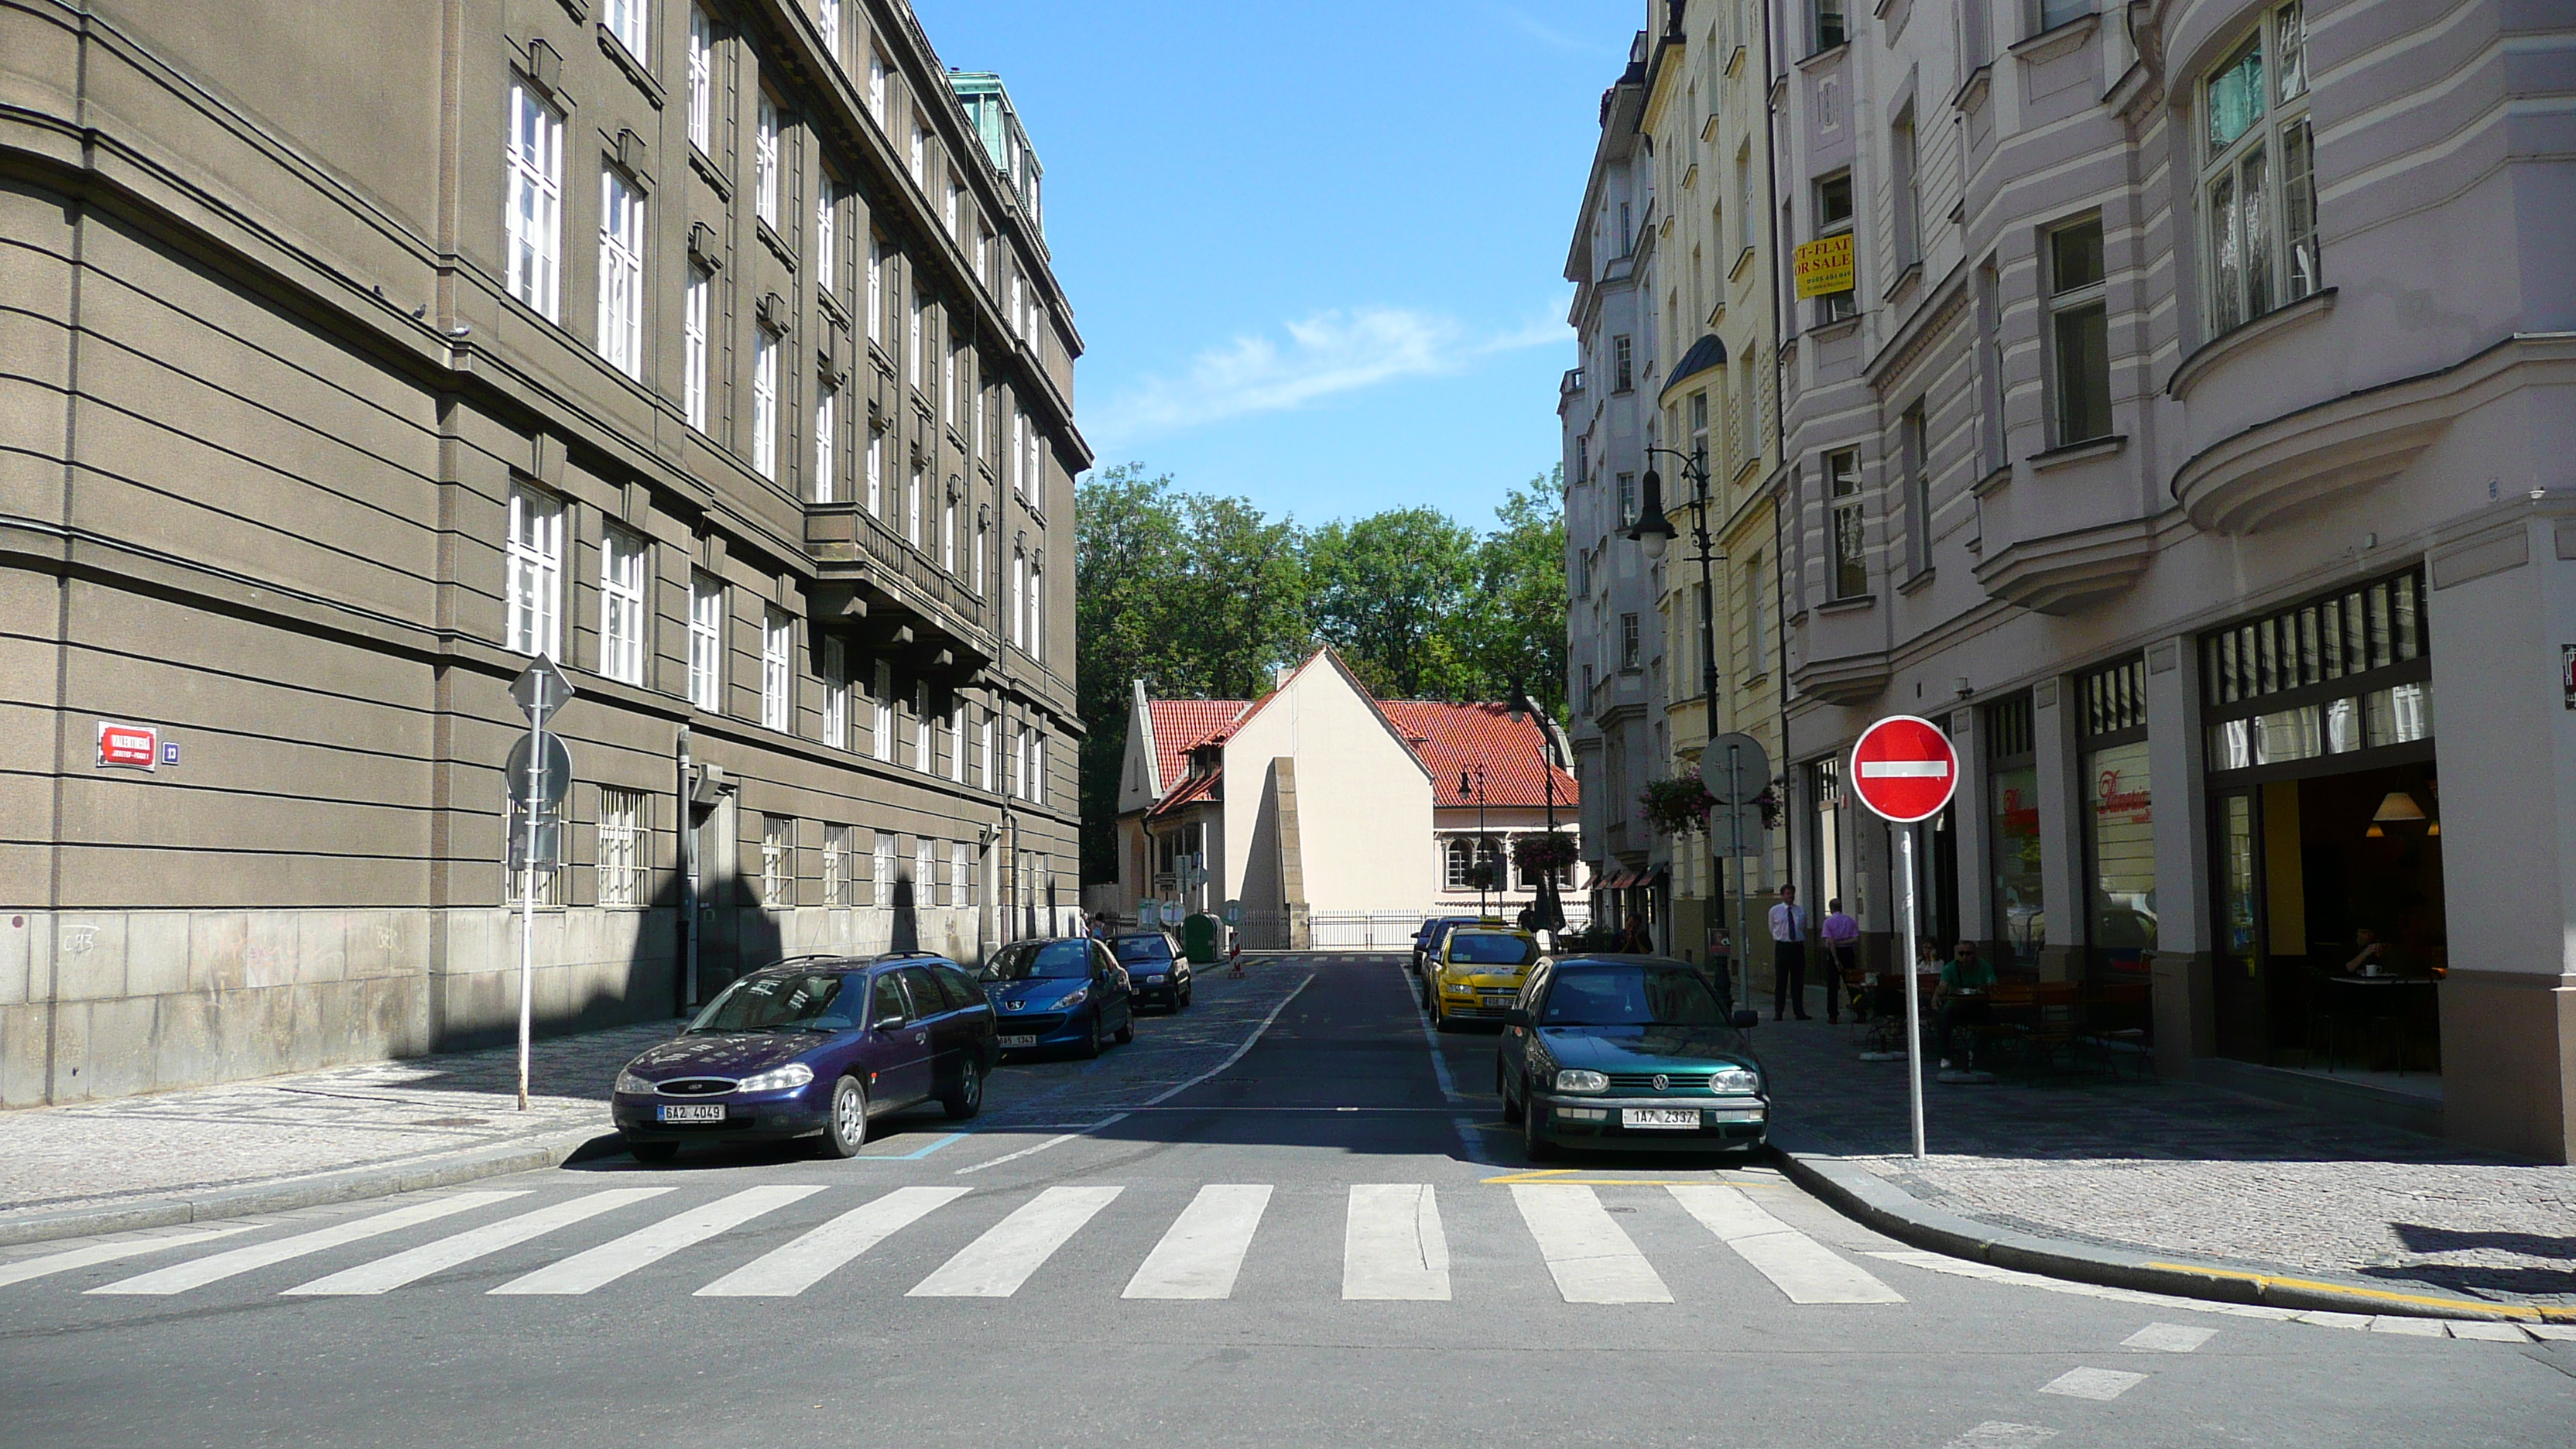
{"x":1395,"y":1238}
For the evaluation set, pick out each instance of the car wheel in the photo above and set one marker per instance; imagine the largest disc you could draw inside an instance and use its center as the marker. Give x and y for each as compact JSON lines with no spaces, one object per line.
{"x":1127,"y":1028}
{"x":1182,"y":1002}
{"x":848,"y":1129}
{"x":965,"y":1095}
{"x":1091,"y":1039}
{"x":1503,"y":1089}
{"x":1534,"y":1144}
{"x":653,"y":1151}
{"x":1440,"y":1016}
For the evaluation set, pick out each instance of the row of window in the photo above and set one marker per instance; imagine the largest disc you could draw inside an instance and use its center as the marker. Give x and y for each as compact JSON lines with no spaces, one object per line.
{"x":533,"y":624}
{"x":1460,"y":856}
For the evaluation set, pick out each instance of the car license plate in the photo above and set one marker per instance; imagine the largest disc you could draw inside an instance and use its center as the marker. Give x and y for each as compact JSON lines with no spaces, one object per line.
{"x":1009,"y":1042}
{"x":1659,"y":1116}
{"x":1501,"y":998}
{"x":693,"y":1112}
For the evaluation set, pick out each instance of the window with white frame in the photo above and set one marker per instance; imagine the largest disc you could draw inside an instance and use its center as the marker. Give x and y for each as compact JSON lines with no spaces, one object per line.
{"x":881,"y":732}
{"x":777,"y":668}
{"x":2258,"y":174}
{"x":2054,"y":13}
{"x":1458,"y":861}
{"x":827,"y":18}
{"x":764,"y":402}
{"x":876,"y":290}
{"x":983,"y":550}
{"x":535,"y":216}
{"x":984,"y":755}
{"x":2079,"y":346}
{"x":827,"y":420}
{"x":702,"y":79}
{"x":957,"y":741}
{"x":912,"y":505}
{"x":1829,"y":29}
{"x":912,"y":346}
{"x":877,"y":86}
{"x":1019,"y":440}
{"x":622,"y":607}
{"x":827,"y":207}
{"x":1903,"y":186}
{"x":777,"y":862}
{"x":1834,"y":218}
{"x":1849,"y":540}
{"x":1020,"y":763}
{"x":836,"y":865}
{"x":1037,"y":611}
{"x":1033,"y":475}
{"x":954,"y":192}
{"x":1912,"y":445}
{"x":622,"y":841}
{"x":1019,"y":595}
{"x":948,"y":528}
{"x":1037,"y":765}
{"x":881,"y":870}
{"x":920,"y":155}
{"x":621,"y":272}
{"x":1990,"y":366}
{"x":925,"y":871}
{"x":764,"y":163}
{"x":925,"y":729}
{"x":1632,"y":643}
{"x":706,"y":643}
{"x":948,"y":385}
{"x":876,"y":470}
{"x":1623,"y":364}
{"x":836,"y":694}
{"x":697,"y":291}
{"x":961,"y":873}
{"x":534,"y":587}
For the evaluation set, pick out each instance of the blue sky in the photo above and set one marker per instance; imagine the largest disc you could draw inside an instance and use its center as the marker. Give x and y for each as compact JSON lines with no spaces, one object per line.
{"x":1315,"y":248}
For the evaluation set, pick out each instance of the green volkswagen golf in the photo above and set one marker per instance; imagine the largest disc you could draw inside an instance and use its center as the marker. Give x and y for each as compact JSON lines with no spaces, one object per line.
{"x":1630,"y":1052}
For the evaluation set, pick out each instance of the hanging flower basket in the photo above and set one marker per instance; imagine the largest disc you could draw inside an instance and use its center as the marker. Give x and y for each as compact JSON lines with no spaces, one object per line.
{"x":1677,"y":806}
{"x":1538,"y":854}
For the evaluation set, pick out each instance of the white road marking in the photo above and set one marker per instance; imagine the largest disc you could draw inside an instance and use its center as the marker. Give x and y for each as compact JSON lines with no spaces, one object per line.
{"x":1201,"y":1254}
{"x":2169,"y":1337}
{"x":414,"y":1264}
{"x":2384,"y":1323}
{"x":787,"y":1271}
{"x":1592,"y":1260}
{"x":95,"y":1253}
{"x":1997,"y":1435}
{"x":996,"y":1264}
{"x":2092,"y":1383}
{"x":1799,"y":1266}
{"x":1431,"y":1040}
{"x":1392,"y":1246}
{"x":1055,"y":1141}
{"x":1471,"y":1141}
{"x":184,"y":1276}
{"x":610,"y":1261}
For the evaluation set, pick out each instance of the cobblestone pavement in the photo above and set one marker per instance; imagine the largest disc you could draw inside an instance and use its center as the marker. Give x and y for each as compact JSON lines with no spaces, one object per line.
{"x":2179,"y":1168}
{"x":56,"y":1158}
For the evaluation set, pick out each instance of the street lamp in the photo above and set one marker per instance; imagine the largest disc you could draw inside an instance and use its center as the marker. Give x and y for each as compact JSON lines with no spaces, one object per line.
{"x":1551,"y":910}
{"x":1651,"y":532}
{"x":1480,"y":858}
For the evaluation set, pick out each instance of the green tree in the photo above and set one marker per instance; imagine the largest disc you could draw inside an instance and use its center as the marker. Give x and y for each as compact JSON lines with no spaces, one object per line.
{"x":1514,"y":628}
{"x":1387,"y":592}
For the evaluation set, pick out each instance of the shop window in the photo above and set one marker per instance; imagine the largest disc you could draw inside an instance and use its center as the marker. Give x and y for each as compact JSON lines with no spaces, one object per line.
{"x":2121,"y":914}
{"x":2328,"y":676}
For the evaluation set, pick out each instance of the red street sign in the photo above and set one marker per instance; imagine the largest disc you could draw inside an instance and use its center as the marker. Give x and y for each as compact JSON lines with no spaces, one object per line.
{"x":134,"y":746}
{"x":1904,"y":768}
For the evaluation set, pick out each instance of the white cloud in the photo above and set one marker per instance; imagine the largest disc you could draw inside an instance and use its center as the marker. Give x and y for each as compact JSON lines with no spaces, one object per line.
{"x":1326,"y":354}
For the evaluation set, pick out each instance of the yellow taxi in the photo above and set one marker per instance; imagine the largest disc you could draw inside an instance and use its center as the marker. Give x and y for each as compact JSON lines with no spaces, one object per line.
{"x":1477,"y":975}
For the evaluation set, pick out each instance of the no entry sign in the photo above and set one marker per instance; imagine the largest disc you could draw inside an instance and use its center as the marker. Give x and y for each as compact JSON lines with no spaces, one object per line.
{"x":1904,"y":768}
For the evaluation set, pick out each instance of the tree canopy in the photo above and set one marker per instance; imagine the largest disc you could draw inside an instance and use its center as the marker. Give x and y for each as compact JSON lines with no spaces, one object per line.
{"x":1206,"y":597}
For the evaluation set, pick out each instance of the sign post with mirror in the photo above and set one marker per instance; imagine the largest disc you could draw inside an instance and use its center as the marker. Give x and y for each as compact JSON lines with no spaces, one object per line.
{"x":1905,"y":770}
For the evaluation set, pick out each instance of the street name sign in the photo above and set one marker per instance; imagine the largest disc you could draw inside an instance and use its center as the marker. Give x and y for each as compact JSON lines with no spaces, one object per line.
{"x":1904,"y":769}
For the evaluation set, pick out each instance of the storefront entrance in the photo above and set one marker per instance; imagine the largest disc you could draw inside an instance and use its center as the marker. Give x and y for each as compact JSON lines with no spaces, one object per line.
{"x":2327,"y":850}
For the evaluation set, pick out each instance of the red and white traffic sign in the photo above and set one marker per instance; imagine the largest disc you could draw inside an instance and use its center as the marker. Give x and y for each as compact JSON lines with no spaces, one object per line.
{"x":1904,"y":768}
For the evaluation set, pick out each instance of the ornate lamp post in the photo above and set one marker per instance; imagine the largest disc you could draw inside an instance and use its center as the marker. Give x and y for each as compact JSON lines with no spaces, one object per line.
{"x":1482,"y":857}
{"x":1551,"y":910}
{"x":1651,"y":532}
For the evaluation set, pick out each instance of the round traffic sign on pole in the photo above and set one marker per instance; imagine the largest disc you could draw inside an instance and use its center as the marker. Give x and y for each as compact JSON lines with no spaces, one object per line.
{"x":1904,"y":768}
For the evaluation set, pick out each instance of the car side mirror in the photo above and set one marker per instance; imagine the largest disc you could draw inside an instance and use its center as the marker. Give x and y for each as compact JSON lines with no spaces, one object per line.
{"x":1747,"y":1020}
{"x":1515,"y":1016}
{"x":891,"y":1022}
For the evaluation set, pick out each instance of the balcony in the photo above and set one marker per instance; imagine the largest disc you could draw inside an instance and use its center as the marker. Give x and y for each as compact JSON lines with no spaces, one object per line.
{"x":866,"y":571}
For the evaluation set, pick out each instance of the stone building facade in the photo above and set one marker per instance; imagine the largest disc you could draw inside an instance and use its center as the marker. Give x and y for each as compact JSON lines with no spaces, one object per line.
{"x":359,"y":355}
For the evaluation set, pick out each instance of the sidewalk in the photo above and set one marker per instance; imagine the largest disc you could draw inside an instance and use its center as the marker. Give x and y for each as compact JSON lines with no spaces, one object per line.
{"x":311,"y":1137}
{"x":2148,"y":1183}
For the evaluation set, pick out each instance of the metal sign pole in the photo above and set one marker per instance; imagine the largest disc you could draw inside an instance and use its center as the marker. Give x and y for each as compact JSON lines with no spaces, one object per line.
{"x":1913,"y":993}
{"x":528,"y":893}
{"x":1742,"y":912}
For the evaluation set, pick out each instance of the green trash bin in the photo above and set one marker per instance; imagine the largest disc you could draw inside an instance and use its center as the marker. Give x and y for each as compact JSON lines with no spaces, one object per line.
{"x":1199,"y":937}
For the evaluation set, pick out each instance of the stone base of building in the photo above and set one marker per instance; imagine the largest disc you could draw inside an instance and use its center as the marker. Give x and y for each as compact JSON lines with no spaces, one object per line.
{"x":2509,"y":1062}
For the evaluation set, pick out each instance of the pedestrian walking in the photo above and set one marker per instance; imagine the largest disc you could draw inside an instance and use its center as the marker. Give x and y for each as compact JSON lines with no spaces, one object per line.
{"x":1840,"y":935}
{"x":1789,"y":955}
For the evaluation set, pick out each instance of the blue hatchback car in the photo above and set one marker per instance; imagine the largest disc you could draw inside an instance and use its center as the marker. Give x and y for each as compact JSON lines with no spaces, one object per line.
{"x":1068,"y":992}
{"x":814,"y":1047}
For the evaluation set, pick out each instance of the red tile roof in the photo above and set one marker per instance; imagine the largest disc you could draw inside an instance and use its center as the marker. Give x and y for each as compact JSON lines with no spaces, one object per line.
{"x":1449,"y":737}
{"x":1182,"y":725}
{"x":1199,"y":789}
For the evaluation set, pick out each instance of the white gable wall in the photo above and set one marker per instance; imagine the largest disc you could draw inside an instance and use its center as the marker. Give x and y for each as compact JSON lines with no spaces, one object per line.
{"x":1363,"y":799}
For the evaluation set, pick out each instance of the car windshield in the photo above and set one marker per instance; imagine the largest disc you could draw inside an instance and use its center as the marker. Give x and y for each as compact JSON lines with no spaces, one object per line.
{"x":1483,"y":948}
{"x":787,"y":1001}
{"x":1055,"y":959}
{"x":1630,"y":996}
{"x":1142,"y":948}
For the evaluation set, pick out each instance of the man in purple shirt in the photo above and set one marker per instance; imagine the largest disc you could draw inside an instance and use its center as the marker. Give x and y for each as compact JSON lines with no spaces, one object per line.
{"x":1840,"y":935}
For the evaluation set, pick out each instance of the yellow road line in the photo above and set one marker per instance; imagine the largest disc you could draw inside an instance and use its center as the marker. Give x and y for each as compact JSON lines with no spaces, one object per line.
{"x":2510,"y":1310}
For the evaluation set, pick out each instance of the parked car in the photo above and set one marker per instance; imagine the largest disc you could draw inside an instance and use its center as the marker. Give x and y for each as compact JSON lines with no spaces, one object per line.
{"x":1426,"y":942}
{"x":1477,"y":975}
{"x":1155,"y":967}
{"x":815,"y":1047}
{"x":1066,"y":992}
{"x":1631,"y":1052}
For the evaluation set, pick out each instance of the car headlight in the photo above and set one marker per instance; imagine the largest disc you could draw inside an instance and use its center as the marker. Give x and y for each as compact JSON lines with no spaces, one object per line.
{"x":1735,"y":1079}
{"x":631,"y":1085}
{"x":1157,"y":979}
{"x":1581,"y":1081}
{"x":777,"y":1079}
{"x":1076,"y":999}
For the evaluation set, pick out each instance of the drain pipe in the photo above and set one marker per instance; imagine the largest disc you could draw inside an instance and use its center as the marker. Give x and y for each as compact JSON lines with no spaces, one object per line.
{"x":688,"y":976}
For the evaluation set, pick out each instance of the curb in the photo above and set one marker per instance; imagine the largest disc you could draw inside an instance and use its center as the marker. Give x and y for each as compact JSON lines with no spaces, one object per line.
{"x":349,"y":1185}
{"x":1879,"y":1204}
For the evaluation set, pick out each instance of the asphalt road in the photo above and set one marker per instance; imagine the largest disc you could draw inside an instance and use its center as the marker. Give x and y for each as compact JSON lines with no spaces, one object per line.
{"x":1326,"y":1241}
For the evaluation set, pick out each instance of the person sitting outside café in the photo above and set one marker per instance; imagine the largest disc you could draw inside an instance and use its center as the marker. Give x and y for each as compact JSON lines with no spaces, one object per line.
{"x":1840,"y":936}
{"x":2372,"y":956}
{"x":1961,"y":1000}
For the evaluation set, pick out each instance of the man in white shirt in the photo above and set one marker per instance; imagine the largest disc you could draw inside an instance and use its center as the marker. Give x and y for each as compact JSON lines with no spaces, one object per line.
{"x":1788,"y":955}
